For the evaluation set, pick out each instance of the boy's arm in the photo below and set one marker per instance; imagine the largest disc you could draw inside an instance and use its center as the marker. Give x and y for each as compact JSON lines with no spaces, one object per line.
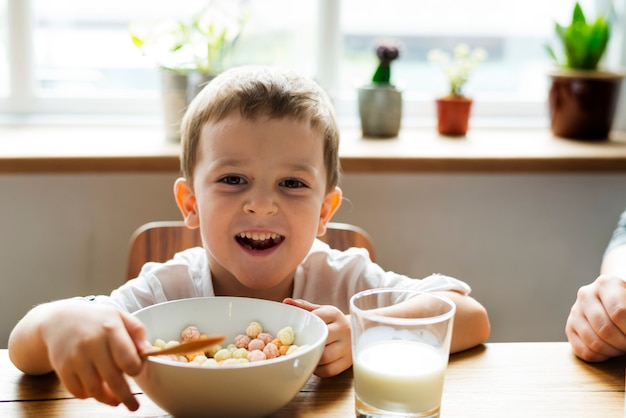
{"x":27,"y":348}
{"x":91,"y":347}
{"x":471,"y":322}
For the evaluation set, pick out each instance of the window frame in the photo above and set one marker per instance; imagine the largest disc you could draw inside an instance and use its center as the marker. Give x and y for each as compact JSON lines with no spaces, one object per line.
{"x":22,"y":104}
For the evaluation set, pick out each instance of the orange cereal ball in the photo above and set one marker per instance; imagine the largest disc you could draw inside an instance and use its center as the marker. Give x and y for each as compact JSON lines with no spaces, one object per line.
{"x":277,"y":342}
{"x":192,"y":356}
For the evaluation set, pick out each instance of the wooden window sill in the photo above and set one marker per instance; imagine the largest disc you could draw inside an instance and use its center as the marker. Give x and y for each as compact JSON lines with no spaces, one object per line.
{"x":68,"y":149}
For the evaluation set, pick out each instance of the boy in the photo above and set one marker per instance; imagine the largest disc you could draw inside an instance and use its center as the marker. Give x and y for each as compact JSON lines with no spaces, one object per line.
{"x":260,"y":172}
{"x":596,"y":326}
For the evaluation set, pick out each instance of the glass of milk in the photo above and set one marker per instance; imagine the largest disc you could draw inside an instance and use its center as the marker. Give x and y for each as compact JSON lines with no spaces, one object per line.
{"x":400,"y":348}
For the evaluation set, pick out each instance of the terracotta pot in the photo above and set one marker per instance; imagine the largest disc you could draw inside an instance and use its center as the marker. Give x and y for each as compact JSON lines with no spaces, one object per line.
{"x":453,"y":113}
{"x":582,"y":103}
{"x":380,"y":110}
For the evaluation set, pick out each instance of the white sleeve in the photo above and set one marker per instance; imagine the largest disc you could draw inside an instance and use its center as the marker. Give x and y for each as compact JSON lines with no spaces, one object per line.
{"x":329,"y":276}
{"x":186,"y":275}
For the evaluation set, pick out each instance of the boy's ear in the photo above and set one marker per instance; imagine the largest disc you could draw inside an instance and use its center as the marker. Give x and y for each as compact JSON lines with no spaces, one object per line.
{"x":186,"y":201}
{"x":331,"y":203}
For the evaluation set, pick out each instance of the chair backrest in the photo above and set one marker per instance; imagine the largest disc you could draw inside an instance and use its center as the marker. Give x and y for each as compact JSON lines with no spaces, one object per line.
{"x":159,"y":241}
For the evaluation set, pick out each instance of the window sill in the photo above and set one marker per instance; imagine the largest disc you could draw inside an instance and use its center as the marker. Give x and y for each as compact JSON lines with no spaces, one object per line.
{"x":68,"y":149}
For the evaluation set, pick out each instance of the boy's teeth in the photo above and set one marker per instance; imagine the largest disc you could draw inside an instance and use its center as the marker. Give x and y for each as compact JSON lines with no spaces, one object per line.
{"x":258,"y":236}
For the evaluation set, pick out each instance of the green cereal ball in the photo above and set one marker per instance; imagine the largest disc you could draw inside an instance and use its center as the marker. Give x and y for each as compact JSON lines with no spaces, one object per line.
{"x":222,"y":355}
{"x":286,"y":336}
{"x":159,"y":343}
{"x":240,"y":353}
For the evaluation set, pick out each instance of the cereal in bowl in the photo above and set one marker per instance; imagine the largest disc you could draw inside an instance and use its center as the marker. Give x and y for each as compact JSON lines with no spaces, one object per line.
{"x":252,"y":346}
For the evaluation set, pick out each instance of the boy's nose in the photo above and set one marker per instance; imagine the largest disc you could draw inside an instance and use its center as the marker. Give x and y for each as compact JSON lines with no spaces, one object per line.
{"x":261,"y":204}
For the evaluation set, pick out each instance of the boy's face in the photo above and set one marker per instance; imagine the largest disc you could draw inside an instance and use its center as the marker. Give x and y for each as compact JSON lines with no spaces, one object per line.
{"x":259,"y":197}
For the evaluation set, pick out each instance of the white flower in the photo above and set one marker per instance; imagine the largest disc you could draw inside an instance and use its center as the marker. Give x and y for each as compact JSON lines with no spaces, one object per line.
{"x":458,"y":68}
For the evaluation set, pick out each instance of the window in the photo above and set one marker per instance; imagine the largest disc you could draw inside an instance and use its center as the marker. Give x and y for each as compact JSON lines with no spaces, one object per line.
{"x":72,"y":57}
{"x":4,"y":57}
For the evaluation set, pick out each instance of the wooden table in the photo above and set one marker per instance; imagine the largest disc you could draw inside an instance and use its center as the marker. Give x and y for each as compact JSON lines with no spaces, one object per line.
{"x":494,"y":380}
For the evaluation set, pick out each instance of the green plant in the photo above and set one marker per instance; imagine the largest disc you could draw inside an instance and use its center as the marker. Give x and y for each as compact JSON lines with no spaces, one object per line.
{"x":204,"y":43}
{"x":459,"y":67}
{"x":583,"y":43}
{"x":386,"y":52}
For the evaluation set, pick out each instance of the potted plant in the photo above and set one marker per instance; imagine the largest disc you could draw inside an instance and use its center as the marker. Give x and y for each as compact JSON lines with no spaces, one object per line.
{"x":380,"y":102}
{"x":582,"y":98}
{"x":453,"y":109}
{"x":190,"y":52}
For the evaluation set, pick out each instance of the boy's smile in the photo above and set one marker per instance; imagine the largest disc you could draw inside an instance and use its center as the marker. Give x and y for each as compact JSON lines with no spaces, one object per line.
{"x":258,"y":241}
{"x":259,"y":197}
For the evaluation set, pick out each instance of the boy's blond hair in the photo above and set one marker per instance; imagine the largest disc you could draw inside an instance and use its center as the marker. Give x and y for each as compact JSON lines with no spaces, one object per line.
{"x":257,"y":91}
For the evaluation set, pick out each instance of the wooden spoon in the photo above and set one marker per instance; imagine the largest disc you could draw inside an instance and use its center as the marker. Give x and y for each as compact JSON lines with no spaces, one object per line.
{"x":194,"y":346}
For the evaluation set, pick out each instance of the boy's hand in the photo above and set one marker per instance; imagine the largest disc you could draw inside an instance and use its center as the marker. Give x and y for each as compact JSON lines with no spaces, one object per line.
{"x":596,"y":326}
{"x":92,"y":348}
{"x":337,"y":355}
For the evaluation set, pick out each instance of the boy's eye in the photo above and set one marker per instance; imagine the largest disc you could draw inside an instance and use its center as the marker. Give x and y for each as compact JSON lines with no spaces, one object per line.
{"x":292,"y":183}
{"x":232,"y":180}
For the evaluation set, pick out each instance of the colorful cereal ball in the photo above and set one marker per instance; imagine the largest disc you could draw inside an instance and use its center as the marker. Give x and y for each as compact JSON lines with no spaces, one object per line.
{"x":287,"y":336}
{"x":256,"y":355}
{"x":191,"y":333}
{"x":222,"y":355}
{"x":254,"y":329}
{"x":271,"y":351}
{"x":242,"y":341}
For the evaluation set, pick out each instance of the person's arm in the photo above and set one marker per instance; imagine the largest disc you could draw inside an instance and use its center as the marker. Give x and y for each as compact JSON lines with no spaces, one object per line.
{"x":471,"y":323}
{"x":596,"y":325}
{"x":614,"y":262}
{"x":90,"y":347}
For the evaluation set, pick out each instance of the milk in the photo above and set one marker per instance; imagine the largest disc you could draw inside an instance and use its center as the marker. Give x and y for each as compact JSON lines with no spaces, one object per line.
{"x":399,"y":376}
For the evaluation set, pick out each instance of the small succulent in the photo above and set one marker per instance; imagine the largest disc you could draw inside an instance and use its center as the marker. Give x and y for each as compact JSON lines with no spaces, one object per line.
{"x":583,"y":43}
{"x":386,"y":52}
{"x":459,"y":67}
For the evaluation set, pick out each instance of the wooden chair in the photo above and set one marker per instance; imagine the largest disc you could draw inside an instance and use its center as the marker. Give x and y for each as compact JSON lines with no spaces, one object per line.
{"x":159,"y":241}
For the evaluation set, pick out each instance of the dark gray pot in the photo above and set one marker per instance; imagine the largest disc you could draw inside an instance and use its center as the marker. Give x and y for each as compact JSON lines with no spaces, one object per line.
{"x":380,"y":110}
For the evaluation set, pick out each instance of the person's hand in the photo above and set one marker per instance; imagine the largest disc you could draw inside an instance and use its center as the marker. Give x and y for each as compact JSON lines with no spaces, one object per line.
{"x":596,"y":326}
{"x":91,"y":347}
{"x":337,"y":355}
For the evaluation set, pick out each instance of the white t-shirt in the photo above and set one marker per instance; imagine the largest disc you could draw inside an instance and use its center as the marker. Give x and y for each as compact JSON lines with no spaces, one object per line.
{"x":325,"y":277}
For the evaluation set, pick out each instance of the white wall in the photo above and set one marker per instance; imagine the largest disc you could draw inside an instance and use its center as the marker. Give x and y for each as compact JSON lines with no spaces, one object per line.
{"x":525,"y":242}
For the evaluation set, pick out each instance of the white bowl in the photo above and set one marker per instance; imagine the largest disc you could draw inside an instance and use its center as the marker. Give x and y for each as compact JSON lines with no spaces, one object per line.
{"x":248,"y":390}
